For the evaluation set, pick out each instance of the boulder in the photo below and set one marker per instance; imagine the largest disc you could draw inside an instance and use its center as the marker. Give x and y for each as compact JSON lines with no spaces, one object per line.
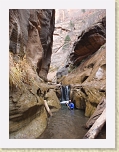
{"x":33,"y":129}
{"x":52,"y":100}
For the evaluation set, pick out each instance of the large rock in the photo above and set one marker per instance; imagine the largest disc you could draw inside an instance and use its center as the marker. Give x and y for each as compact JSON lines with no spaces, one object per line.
{"x":33,"y":129}
{"x":52,"y":100}
{"x":89,"y":42}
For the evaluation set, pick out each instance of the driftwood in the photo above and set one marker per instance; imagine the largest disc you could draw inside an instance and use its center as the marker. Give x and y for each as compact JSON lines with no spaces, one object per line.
{"x":100,"y":108}
{"x":47,"y":107}
{"x":97,"y":126}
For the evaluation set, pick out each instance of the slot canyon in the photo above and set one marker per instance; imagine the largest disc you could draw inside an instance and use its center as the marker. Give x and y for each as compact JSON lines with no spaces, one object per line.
{"x":57,"y":55}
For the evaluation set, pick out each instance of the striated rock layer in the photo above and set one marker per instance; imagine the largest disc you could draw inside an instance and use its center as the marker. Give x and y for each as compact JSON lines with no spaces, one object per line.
{"x":30,"y":37}
{"x":89,"y":41}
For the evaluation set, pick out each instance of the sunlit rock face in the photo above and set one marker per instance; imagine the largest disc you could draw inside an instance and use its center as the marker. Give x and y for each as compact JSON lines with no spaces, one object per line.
{"x":69,"y":24}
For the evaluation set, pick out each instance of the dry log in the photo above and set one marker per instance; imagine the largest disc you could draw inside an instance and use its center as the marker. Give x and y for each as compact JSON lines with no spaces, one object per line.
{"x":100,"y":108}
{"x":97,"y":126}
{"x":47,"y":107}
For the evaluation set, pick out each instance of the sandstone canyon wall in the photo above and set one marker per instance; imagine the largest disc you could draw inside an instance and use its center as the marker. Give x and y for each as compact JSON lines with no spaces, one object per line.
{"x":30,"y":46}
{"x":33,"y":29}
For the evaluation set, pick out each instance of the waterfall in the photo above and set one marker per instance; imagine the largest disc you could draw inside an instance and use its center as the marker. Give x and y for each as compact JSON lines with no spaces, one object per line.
{"x":65,"y":93}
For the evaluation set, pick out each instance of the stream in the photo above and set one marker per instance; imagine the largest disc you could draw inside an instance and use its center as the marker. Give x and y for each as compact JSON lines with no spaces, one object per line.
{"x":68,"y":124}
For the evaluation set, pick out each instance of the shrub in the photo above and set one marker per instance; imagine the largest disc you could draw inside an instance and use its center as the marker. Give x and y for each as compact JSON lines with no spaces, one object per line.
{"x":20,"y":73}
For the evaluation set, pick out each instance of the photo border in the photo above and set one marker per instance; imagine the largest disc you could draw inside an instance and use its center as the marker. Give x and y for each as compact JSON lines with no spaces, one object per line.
{"x":22,"y":4}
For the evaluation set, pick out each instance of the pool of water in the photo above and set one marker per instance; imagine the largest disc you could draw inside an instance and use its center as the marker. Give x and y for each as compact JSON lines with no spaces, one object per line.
{"x":67,"y":124}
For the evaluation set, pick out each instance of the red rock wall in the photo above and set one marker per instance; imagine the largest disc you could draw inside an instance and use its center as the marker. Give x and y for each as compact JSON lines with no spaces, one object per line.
{"x":89,"y":41}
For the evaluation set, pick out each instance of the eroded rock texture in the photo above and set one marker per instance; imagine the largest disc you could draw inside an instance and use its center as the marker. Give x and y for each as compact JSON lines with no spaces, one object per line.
{"x":31,"y":32}
{"x":30,"y":35}
{"x":89,"y":42}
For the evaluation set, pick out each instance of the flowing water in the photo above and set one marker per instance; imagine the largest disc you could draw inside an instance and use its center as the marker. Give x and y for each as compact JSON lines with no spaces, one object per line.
{"x":65,"y":91}
{"x":66,"y":124}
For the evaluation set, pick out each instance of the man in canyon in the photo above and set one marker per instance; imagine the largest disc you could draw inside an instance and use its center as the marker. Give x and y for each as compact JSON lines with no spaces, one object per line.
{"x":70,"y":105}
